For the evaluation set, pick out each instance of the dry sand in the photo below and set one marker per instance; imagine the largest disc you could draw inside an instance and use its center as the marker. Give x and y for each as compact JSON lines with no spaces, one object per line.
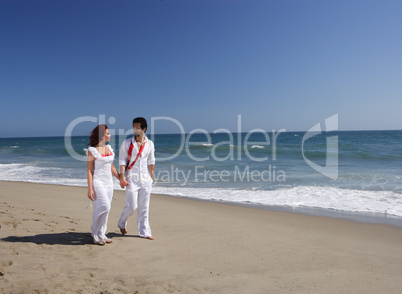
{"x":200,"y":247}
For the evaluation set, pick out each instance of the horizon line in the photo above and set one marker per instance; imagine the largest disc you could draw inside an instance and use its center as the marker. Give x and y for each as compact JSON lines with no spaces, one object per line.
{"x":286,"y":131}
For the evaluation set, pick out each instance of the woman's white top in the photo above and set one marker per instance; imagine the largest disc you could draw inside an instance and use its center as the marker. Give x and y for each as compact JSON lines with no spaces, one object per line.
{"x":102,"y":164}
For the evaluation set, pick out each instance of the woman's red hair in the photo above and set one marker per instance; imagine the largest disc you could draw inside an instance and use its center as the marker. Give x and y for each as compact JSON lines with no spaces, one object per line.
{"x":97,"y":135}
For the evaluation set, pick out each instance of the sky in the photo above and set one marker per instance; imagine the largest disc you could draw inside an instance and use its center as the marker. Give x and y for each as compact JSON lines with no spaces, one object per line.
{"x":67,"y":65}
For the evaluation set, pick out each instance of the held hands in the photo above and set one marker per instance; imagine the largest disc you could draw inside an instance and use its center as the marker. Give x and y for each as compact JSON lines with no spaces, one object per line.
{"x":123,"y":183}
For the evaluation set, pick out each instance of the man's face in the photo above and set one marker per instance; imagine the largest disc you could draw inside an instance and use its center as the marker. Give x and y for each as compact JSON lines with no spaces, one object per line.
{"x":137,"y":129}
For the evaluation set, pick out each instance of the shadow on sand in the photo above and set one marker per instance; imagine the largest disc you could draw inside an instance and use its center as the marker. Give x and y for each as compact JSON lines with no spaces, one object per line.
{"x":67,"y":238}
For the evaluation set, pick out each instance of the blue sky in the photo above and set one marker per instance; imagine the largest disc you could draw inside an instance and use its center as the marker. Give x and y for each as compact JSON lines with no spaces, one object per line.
{"x":279,"y":64}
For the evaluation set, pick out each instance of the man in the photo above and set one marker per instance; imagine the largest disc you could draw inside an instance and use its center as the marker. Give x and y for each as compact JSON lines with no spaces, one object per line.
{"x":139,"y":171}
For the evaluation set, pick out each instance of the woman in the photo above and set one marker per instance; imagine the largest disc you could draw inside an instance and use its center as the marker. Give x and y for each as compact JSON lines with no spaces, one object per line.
{"x":100,"y":182}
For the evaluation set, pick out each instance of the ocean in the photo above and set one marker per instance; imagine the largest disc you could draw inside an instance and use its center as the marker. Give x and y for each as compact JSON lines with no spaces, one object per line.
{"x":352,"y":172}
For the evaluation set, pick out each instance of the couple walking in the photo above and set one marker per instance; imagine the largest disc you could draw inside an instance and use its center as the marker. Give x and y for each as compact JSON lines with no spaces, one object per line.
{"x":136,"y":173}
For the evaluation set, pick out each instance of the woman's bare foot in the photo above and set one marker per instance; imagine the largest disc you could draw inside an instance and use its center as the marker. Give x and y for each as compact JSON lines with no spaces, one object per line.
{"x":123,"y":231}
{"x":99,"y":242}
{"x":150,"y":238}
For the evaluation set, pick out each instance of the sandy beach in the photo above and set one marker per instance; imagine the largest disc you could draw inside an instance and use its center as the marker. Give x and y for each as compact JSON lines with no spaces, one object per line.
{"x":200,"y":247}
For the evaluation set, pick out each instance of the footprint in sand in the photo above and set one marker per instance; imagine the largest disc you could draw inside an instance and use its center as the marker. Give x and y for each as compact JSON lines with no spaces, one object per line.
{"x":13,"y":251}
{"x":39,"y":267}
{"x":120,"y":282}
{"x":4,"y":265}
{"x":31,"y":219}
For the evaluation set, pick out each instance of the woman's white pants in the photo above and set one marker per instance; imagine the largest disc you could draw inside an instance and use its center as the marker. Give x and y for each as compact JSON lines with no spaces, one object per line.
{"x":102,"y":203}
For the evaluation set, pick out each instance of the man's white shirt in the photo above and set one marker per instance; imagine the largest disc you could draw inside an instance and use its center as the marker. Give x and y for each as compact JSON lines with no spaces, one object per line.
{"x":147,"y":157}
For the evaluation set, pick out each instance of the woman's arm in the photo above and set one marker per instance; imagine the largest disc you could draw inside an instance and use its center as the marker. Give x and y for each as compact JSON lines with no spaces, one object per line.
{"x":123,"y":156}
{"x":120,"y":176}
{"x":90,"y":169}
{"x":115,"y":172}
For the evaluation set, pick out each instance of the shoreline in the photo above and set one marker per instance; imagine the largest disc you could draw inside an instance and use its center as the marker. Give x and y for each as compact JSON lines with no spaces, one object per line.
{"x":354,"y":216}
{"x":357,"y":216}
{"x":199,"y":246}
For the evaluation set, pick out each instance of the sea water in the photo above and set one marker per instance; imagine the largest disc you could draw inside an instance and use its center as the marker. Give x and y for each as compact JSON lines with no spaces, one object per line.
{"x":359,"y":172}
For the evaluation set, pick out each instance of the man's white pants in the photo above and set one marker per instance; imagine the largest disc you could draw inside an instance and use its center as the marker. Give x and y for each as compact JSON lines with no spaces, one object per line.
{"x":137,"y":192}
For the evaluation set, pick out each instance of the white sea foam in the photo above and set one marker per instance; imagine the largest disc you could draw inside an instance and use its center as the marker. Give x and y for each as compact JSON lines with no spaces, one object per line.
{"x":303,"y":196}
{"x":16,"y":172}
{"x":257,"y":146}
{"x":332,"y":198}
{"x":36,"y":174}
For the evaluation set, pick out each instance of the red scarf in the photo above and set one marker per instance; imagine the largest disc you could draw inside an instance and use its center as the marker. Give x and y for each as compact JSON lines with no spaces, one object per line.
{"x":130,"y":151}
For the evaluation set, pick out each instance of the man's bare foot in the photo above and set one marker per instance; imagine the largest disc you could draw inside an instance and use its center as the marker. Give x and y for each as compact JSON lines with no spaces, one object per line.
{"x":123,"y":231}
{"x":150,"y":238}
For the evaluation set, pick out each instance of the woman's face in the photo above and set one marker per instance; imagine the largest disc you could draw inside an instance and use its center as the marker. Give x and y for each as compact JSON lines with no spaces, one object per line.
{"x":107,"y":136}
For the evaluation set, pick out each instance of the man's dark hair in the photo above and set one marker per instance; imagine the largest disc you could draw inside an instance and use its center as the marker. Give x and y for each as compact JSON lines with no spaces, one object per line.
{"x":142,"y":121}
